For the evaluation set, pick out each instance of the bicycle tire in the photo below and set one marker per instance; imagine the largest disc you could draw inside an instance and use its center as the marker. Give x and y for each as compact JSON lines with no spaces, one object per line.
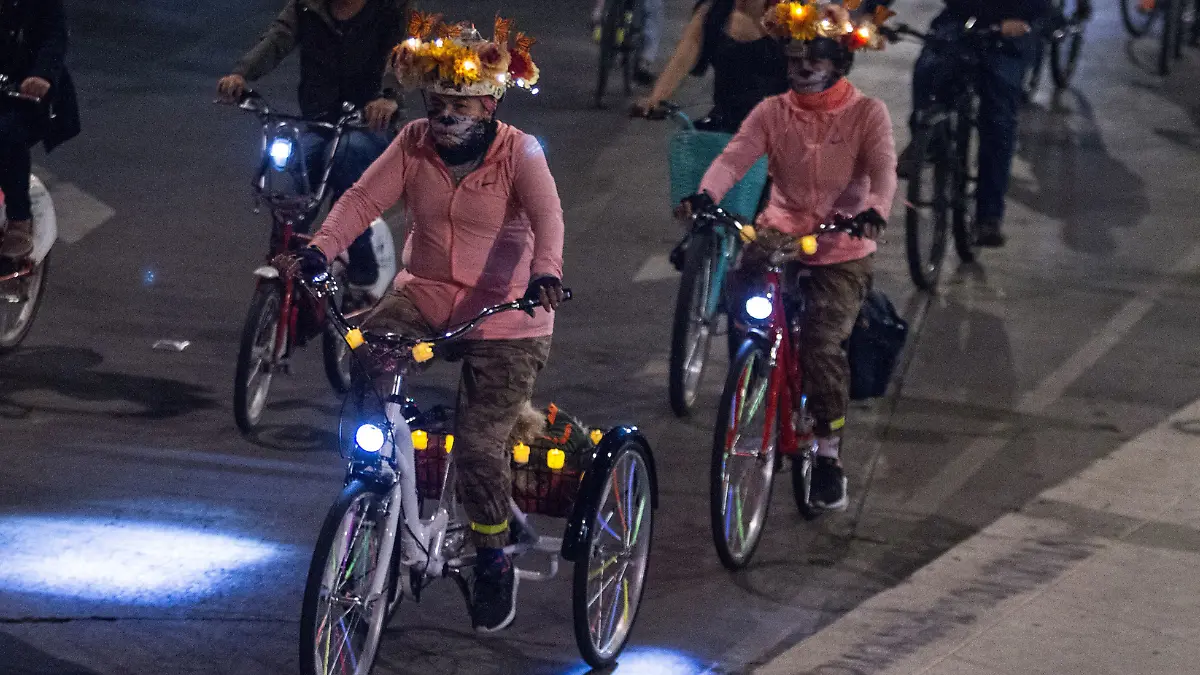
{"x":1170,"y":34}
{"x":721,"y":492}
{"x":332,"y":535}
{"x":26,"y":311}
{"x":634,"y":38}
{"x":930,"y":146}
{"x":695,"y":283}
{"x":610,"y":20}
{"x":600,"y":656}
{"x":1136,"y":21}
{"x":1064,"y":52}
{"x":262,"y":321}
{"x":963,"y":159}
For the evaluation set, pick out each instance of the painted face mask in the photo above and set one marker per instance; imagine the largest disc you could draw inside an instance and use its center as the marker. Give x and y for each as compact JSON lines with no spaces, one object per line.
{"x":808,"y":77}
{"x":457,"y":131}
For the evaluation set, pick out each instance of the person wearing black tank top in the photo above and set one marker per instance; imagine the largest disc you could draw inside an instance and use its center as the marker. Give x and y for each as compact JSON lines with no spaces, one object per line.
{"x":747,"y":65}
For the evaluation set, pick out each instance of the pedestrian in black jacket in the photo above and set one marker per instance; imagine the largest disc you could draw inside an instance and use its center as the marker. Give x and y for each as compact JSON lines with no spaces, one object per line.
{"x":1001,"y":77}
{"x":33,"y":45}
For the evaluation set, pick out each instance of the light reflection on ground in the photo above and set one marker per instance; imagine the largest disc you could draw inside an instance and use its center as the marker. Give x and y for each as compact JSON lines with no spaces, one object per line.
{"x":649,"y":661}
{"x":126,"y":562}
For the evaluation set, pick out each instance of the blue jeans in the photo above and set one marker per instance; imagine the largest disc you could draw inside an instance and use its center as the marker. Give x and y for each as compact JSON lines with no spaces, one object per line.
{"x":1000,"y":81}
{"x":357,"y":151}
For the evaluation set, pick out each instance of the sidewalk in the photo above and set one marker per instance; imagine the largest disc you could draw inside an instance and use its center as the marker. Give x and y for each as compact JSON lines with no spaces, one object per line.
{"x":1100,"y":574}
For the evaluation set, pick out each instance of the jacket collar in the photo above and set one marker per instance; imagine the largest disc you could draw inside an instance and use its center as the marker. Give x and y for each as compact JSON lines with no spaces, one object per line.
{"x":831,"y":101}
{"x":504,"y":134}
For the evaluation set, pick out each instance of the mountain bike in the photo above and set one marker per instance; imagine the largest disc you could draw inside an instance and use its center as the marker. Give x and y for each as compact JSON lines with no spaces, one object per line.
{"x":23,"y":282}
{"x":763,"y":414}
{"x":621,"y":37}
{"x":709,"y":251}
{"x":280,"y":319}
{"x":944,"y":154}
{"x":375,"y":548}
{"x":1063,"y":35}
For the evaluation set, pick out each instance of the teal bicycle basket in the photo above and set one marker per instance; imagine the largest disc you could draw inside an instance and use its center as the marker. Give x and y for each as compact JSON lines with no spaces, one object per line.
{"x":691,"y":151}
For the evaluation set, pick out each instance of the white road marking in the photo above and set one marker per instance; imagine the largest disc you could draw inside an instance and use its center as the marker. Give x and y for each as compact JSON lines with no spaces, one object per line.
{"x":656,"y":268}
{"x":78,"y":212}
{"x":955,"y":475}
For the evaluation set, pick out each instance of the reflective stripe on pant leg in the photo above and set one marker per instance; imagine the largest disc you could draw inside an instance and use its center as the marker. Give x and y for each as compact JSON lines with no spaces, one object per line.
{"x":498,"y":378}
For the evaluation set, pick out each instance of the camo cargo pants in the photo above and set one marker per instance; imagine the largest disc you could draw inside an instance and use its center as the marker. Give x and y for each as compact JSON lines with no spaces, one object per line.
{"x":497,"y":381}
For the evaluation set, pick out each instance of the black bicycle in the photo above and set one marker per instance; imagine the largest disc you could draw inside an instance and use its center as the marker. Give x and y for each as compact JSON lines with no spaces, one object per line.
{"x":941,"y":165}
{"x":621,"y":37}
{"x":1062,"y":36}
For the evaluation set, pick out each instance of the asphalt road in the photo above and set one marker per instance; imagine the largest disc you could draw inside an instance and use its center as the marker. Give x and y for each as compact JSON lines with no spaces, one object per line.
{"x":140,"y":533}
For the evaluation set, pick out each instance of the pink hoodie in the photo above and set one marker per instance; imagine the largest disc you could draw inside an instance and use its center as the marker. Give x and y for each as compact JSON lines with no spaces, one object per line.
{"x":469,"y":246}
{"x":826,"y":152}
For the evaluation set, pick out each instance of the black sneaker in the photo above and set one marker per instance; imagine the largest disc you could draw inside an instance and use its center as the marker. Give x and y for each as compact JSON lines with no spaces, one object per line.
{"x":828,"y":485}
{"x":988,"y":234}
{"x":494,"y":598}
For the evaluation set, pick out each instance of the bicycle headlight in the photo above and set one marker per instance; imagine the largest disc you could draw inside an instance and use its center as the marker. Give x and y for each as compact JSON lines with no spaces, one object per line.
{"x":758,"y":307}
{"x":281,"y":152}
{"x":369,"y":438}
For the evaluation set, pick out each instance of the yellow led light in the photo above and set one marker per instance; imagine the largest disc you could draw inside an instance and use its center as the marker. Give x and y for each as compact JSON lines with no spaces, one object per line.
{"x":354,"y":338}
{"x":420,"y":439}
{"x":521,"y":453}
{"x":747,"y":233}
{"x":808,"y":244}
{"x":449,"y":444}
{"x":596,"y":435}
{"x":556,"y":459}
{"x":422,"y":352}
{"x":468,"y":65}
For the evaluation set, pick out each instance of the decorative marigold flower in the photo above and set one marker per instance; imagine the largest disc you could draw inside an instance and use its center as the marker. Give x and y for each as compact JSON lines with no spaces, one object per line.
{"x":494,"y":58}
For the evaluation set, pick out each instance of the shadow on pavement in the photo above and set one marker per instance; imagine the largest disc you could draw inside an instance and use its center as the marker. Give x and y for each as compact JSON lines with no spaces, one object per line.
{"x":71,"y":372}
{"x":1077,"y":181}
{"x":21,"y":658}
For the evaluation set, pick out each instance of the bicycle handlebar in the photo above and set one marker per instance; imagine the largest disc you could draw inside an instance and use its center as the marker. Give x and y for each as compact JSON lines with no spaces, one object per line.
{"x":253,"y":102}
{"x":13,"y":91}
{"x":854,"y":226}
{"x":421,"y":348}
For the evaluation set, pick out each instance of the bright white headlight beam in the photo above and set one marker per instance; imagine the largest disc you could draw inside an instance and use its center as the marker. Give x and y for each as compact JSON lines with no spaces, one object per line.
{"x":758,"y":307}
{"x":369,"y":437}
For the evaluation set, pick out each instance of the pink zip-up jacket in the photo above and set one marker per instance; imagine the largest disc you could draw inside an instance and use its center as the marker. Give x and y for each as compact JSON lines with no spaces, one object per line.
{"x":828,"y":152}
{"x":469,"y":246}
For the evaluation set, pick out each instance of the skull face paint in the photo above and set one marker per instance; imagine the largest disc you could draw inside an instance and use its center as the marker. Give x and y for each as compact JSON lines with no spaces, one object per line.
{"x":810,"y":76}
{"x":453,"y":131}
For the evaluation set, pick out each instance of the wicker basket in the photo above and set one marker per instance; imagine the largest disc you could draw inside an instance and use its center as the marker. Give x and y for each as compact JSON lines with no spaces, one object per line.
{"x":691,"y":151}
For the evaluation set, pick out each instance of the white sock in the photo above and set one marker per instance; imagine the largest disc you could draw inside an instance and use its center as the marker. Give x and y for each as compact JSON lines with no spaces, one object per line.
{"x":829,"y":447}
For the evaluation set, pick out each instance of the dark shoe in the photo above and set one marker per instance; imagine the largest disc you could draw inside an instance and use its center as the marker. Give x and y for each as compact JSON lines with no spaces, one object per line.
{"x":494,"y":598}
{"x":829,"y":485}
{"x":988,"y":234}
{"x":643,"y":77}
{"x":908,"y":163}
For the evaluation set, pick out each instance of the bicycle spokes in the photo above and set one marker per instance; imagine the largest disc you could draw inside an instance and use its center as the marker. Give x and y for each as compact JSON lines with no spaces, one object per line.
{"x":617,"y":564}
{"x":347,"y":609}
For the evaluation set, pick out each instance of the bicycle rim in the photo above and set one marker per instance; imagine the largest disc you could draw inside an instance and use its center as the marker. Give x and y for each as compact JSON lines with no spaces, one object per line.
{"x":743,"y":463}
{"x":343,"y":640}
{"x":256,"y":356}
{"x":965,"y":161}
{"x":613,"y":576}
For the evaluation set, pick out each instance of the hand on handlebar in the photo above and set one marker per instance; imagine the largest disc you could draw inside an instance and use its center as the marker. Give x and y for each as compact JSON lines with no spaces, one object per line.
{"x":547,"y":291}
{"x":650,"y":109}
{"x":308,"y":263}
{"x":701,"y":201}
{"x":35,"y":87}
{"x":230,"y":88}
{"x":379,"y":113}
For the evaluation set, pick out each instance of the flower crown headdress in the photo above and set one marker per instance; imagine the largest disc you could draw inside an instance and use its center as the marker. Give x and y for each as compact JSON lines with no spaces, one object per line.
{"x":453,"y":59}
{"x":811,"y":19}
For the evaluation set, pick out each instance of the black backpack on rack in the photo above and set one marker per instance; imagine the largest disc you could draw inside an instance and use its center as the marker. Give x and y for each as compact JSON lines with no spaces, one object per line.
{"x":875,"y":345}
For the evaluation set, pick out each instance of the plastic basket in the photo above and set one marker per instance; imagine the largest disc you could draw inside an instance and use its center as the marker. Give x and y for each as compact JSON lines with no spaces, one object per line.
{"x":691,"y":151}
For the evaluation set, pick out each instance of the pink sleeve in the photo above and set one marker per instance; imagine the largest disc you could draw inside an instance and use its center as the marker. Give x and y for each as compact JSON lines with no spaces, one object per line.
{"x":747,"y":146}
{"x":381,"y":186}
{"x":878,"y":159}
{"x":538,"y":197}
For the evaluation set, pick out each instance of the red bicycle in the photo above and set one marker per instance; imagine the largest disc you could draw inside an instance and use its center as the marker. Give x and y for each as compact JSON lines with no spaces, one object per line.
{"x":759,"y":419}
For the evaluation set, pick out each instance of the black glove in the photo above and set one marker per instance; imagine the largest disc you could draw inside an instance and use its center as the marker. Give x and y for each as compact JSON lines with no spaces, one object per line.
{"x":545,"y":290}
{"x":699,"y":202}
{"x":312,"y":262}
{"x":872,"y":223}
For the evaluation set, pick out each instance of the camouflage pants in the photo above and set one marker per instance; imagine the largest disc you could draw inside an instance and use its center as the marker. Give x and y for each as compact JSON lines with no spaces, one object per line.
{"x":834,"y":295}
{"x":497,"y":381}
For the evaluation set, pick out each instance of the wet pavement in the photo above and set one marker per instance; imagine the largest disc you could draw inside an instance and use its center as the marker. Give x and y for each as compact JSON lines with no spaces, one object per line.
{"x":140,"y":533}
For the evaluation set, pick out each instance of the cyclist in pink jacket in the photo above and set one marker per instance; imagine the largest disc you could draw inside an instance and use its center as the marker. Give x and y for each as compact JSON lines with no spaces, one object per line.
{"x":829,"y":150}
{"x":486,"y":227}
